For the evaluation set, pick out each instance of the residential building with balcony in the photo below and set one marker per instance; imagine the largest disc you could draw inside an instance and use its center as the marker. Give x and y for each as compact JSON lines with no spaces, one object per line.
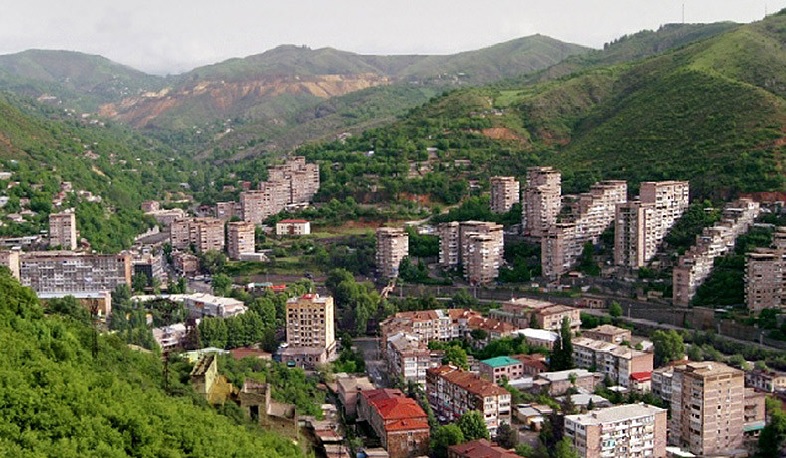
{"x":505,"y":192}
{"x":624,"y":431}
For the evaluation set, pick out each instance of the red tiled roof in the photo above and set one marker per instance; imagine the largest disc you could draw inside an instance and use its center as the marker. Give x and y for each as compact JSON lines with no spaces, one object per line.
{"x":240,"y":353}
{"x":407,"y":425}
{"x":641,"y":376}
{"x":374,"y":396}
{"x":469,"y":381}
{"x":481,"y":448}
{"x":399,"y":408}
{"x":490,"y":324}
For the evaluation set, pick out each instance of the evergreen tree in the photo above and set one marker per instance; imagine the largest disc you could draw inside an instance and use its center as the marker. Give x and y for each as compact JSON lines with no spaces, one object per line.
{"x":562,"y":355}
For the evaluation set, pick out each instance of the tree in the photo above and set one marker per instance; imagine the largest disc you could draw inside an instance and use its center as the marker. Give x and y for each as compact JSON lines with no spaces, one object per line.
{"x":213,"y":261}
{"x":615,"y":309}
{"x":669,"y":346}
{"x":565,"y":449}
{"x":774,"y":433}
{"x":222,"y":285}
{"x":562,"y":355}
{"x":473,"y":425}
{"x":457,"y":356}
{"x":139,"y":282}
{"x":443,"y":437}
{"x":507,"y":437}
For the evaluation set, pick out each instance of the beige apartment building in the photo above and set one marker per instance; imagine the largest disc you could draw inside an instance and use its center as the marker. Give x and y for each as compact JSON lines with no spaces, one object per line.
{"x":526,"y":313}
{"x":225,"y":211}
{"x":392,"y":247}
{"x":67,"y":271}
{"x":625,"y":431}
{"x":62,"y":230}
{"x":541,"y":201}
{"x":696,"y":264}
{"x":562,"y":245}
{"x":240,"y":238}
{"x":608,"y":333}
{"x":764,"y":279}
{"x":707,"y":408}
{"x":204,"y":233}
{"x":311,"y":336}
{"x":505,"y":191}
{"x":10,"y":259}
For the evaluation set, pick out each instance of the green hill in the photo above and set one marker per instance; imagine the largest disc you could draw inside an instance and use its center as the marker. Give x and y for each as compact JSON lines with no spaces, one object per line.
{"x":44,"y":147}
{"x":82,"y":81}
{"x":711,"y":112}
{"x":58,"y":400}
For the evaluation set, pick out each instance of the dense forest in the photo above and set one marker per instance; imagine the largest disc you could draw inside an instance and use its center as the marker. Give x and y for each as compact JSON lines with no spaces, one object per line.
{"x":60,"y":398}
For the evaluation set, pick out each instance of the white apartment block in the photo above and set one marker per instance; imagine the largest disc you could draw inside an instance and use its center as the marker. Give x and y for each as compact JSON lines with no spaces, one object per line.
{"x":240,"y":238}
{"x":541,"y":201}
{"x":562,"y":245}
{"x":617,"y":362}
{"x":449,"y":244}
{"x":293,"y":227}
{"x":624,"y":431}
{"x":505,"y":191}
{"x":392,"y":247}
{"x":696,"y":264}
{"x":67,"y":271}
{"x":408,"y":357}
{"x":62,"y":230}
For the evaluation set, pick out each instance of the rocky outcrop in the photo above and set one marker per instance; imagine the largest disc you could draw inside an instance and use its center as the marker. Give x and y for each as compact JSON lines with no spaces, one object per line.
{"x":226,"y":98}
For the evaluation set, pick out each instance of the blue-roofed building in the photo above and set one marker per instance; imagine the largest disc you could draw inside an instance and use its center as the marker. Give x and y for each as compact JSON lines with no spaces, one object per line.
{"x":495,"y":369}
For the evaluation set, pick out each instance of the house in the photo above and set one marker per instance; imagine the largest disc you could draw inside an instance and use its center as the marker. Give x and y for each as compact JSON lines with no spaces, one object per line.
{"x":501,"y":367}
{"x":533,"y":364}
{"x":293,"y":227}
{"x":608,"y":333}
{"x":641,"y":382}
{"x":349,"y":388}
{"x":558,"y":383}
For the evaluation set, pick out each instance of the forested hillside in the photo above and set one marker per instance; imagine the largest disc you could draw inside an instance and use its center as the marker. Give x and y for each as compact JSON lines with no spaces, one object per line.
{"x":44,"y":147}
{"x":711,"y":112}
{"x":60,"y":400}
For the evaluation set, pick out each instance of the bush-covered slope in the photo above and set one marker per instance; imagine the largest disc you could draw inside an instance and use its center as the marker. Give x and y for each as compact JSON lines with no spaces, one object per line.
{"x":711,"y":112}
{"x":57,"y":400}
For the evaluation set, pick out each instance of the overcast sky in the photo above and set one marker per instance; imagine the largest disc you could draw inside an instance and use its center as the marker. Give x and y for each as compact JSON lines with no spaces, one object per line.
{"x":173,"y":36}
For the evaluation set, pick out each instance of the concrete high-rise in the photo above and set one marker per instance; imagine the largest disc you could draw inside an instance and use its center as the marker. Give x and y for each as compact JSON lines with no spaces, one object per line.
{"x":477,"y":246}
{"x":764,"y":279}
{"x":505,"y":191}
{"x":392,"y":247}
{"x":62,"y":230}
{"x":707,"y":408}
{"x":240,"y":238}
{"x":541,"y":201}
{"x":311,"y":335}
{"x":631,"y":430}
{"x":641,"y":226}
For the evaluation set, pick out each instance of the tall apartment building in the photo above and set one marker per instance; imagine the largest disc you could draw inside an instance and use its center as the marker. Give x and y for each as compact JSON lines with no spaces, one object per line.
{"x":62,"y":230}
{"x":696,"y":264}
{"x":595,"y":211}
{"x":449,"y":244}
{"x":541,"y":201}
{"x":240,"y":238}
{"x":505,"y":191}
{"x":300,"y":179}
{"x":478,"y":246}
{"x":204,"y":233}
{"x":641,"y":225}
{"x":452,"y":392}
{"x":255,"y":206}
{"x":392,"y":247}
{"x":617,"y":362}
{"x":764,"y":279}
{"x":311,"y":336}
{"x":624,"y":431}
{"x":707,"y":408}
{"x":67,"y":271}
